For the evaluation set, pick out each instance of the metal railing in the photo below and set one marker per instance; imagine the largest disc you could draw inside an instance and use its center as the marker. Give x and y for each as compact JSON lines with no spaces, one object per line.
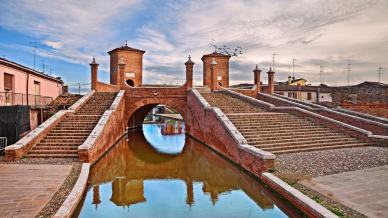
{"x":35,"y":101}
{"x":3,"y":144}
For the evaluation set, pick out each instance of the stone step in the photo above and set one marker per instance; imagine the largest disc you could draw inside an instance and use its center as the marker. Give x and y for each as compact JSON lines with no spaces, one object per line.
{"x":275,"y":129}
{"x":57,"y":144}
{"x":41,"y":147}
{"x":49,"y":151}
{"x":317,"y":148}
{"x":52,"y":156}
{"x":285,"y":143}
{"x":311,"y":146}
{"x":62,"y":140}
{"x":294,"y":137}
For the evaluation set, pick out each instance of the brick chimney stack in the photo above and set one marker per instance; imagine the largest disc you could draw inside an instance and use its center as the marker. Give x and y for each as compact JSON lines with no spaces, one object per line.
{"x":189,"y":73}
{"x":214,"y":74}
{"x":256,"y":74}
{"x":271,"y":81}
{"x":94,"y":73}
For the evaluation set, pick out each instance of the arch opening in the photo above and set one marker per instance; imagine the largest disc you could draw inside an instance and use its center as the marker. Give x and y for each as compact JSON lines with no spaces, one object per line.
{"x":163,"y":127}
{"x":130,"y":82}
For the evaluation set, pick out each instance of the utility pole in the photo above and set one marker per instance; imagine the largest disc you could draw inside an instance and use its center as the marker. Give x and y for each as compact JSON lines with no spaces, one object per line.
{"x":273,"y":61}
{"x":34,"y":46}
{"x":293,"y":68}
{"x":380,"y":72}
{"x":321,"y":74}
{"x":349,"y":70}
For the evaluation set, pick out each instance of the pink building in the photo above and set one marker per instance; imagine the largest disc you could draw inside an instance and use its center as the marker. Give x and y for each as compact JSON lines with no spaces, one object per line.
{"x":20,"y":85}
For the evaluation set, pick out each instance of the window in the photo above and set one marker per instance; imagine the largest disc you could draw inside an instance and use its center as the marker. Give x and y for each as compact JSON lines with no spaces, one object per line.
{"x":292,"y":95}
{"x":8,"y":82}
{"x":36,"y":88}
{"x":309,"y":96}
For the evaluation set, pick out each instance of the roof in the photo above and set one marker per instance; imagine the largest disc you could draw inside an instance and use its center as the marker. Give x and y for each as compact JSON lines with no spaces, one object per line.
{"x":216,"y":54}
{"x":23,"y":68}
{"x":367,"y":84}
{"x":302,"y":88}
{"x":126,"y":48}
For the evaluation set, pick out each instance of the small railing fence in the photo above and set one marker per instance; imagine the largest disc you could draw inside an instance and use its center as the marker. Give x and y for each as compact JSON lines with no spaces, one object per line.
{"x":35,"y":101}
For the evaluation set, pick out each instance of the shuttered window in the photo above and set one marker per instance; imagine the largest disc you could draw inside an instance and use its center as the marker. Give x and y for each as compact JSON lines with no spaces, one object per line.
{"x":8,"y":82}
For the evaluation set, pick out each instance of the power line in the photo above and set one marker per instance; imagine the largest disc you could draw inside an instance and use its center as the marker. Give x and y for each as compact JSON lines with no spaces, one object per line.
{"x":34,"y":46}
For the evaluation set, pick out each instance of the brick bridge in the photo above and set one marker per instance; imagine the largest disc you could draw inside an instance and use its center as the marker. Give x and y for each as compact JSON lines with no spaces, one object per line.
{"x":248,"y":126}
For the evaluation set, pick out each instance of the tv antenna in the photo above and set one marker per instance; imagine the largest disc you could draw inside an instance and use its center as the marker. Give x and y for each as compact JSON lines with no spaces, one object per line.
{"x":33,"y":44}
{"x":273,"y":61}
{"x":43,"y":66}
{"x":349,"y":71}
{"x":381,"y":69}
{"x":293,"y":67}
{"x":321,"y":74}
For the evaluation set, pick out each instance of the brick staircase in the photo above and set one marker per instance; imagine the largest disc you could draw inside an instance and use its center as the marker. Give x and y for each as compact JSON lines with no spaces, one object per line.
{"x":63,"y":140}
{"x":279,"y":132}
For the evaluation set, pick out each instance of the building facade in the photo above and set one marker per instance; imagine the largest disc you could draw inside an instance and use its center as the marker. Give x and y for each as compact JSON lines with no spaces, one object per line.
{"x":20,"y":85}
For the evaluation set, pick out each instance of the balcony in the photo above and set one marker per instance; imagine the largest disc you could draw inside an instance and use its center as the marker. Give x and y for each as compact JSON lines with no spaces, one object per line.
{"x":35,"y":101}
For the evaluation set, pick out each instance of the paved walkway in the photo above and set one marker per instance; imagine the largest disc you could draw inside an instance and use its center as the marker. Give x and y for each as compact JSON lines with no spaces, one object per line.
{"x":363,"y":190}
{"x":26,"y":189}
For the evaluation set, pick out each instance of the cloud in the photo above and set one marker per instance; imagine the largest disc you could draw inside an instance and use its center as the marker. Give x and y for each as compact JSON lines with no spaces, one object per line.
{"x":318,"y":32}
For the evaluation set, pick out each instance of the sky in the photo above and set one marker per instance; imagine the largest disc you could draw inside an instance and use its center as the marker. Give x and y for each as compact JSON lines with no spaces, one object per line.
{"x":327,"y":33}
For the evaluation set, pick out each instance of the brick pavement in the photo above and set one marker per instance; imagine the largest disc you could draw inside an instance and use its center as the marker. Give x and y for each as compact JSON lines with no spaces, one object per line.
{"x":26,"y":189}
{"x":363,"y":190}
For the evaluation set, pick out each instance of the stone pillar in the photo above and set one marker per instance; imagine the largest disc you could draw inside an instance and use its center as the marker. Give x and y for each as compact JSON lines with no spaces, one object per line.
{"x":256,"y":73}
{"x":271,"y":81}
{"x":189,"y":73}
{"x":214,"y":74}
{"x":94,"y":72}
{"x":121,"y":73}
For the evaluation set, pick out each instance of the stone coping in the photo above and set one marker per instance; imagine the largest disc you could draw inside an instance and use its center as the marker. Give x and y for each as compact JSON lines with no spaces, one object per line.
{"x":250,"y":99}
{"x":48,"y":123}
{"x":233,"y":131}
{"x":304,"y":203}
{"x":298,"y":101}
{"x":99,"y":128}
{"x":71,"y":202}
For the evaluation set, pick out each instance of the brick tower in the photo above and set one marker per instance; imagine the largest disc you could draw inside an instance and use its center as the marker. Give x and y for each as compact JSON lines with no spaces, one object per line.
{"x":133,"y":70}
{"x":223,"y":69}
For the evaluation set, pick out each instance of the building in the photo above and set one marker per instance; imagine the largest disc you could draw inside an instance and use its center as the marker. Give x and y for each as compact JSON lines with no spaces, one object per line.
{"x":20,"y":85}
{"x":306,"y":93}
{"x":23,"y":94}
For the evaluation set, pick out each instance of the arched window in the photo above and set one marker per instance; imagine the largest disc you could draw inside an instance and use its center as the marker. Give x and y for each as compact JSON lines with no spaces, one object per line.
{"x":130,"y":82}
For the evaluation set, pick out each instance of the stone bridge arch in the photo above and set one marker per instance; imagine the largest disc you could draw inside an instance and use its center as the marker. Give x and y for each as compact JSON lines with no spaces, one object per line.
{"x":140,"y":100}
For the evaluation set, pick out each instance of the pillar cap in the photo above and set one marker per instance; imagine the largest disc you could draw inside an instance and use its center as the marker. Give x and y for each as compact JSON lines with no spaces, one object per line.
{"x":256,"y":69}
{"x":214,"y":62}
{"x":94,"y":61}
{"x":270,"y":70}
{"x":189,"y":61}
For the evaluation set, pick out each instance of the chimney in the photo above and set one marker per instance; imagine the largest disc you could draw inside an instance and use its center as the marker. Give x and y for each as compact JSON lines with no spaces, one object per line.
{"x":214,"y":74}
{"x":256,"y":75}
{"x":94,"y":73}
{"x":189,"y":73}
{"x":289,"y":80}
{"x":271,"y":81}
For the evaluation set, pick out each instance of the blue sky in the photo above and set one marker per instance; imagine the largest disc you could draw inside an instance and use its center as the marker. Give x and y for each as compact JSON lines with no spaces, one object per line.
{"x":315,"y":32}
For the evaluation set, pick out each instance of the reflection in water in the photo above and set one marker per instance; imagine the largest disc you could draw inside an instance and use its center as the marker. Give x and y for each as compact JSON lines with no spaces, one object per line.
{"x":167,"y":138}
{"x":133,"y":180}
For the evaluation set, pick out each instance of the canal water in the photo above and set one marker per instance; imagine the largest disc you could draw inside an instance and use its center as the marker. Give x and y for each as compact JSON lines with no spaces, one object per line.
{"x":174,"y":177}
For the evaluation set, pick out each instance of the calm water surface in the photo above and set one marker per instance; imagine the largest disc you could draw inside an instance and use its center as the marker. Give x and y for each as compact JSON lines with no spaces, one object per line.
{"x":136,"y":179}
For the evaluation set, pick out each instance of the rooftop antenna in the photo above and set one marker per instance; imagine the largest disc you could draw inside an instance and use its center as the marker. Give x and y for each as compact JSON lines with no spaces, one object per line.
{"x":321,"y":74}
{"x":349,"y":70}
{"x":293,"y":67}
{"x":273,"y":61}
{"x":126,"y":42}
{"x":289,"y":70}
{"x":380,"y":72}
{"x":33,"y":44}
{"x":43,"y":65}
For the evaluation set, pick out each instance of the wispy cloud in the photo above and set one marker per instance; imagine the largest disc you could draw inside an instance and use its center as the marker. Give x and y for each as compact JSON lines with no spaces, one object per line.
{"x":319,"y":32}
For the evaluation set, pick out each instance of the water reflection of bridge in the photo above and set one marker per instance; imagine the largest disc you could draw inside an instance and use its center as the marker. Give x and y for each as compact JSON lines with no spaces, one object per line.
{"x":130,"y":163}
